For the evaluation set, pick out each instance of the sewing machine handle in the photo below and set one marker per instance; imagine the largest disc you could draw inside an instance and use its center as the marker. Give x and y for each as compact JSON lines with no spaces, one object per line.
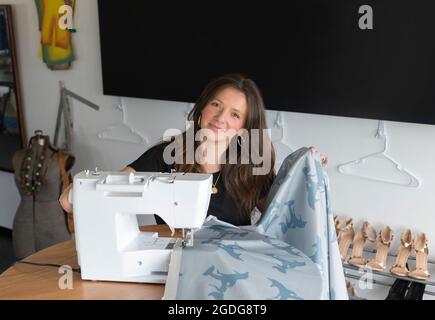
{"x":122,"y":183}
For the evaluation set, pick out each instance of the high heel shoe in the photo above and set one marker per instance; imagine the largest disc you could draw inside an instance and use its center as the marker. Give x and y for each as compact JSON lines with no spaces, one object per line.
{"x":337,"y":226}
{"x":399,"y":268}
{"x":350,"y":289}
{"x":421,"y":253}
{"x":398,"y":290}
{"x":415,"y":291}
{"x":367,"y":231}
{"x":383,"y":245}
{"x":346,"y":236}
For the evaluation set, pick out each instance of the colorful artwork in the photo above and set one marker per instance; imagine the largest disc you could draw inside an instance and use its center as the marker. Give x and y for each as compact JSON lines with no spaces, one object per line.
{"x":56,"y":46}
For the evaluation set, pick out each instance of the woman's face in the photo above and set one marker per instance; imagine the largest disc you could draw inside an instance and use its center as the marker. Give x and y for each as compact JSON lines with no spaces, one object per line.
{"x":225,"y":114}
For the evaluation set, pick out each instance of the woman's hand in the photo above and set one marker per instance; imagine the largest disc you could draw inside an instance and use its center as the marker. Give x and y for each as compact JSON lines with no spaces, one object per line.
{"x":66,"y":205}
{"x":323,"y":158}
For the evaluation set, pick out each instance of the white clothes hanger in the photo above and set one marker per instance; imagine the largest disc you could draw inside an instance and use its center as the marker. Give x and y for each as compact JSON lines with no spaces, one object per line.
{"x":282,"y":149}
{"x":412,"y":180}
{"x":277,"y":132}
{"x":122,"y":131}
{"x":189,"y":108}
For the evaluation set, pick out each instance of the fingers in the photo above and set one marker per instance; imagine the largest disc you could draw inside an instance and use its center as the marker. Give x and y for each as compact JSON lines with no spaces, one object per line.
{"x":323,"y":158}
{"x":314,"y":149}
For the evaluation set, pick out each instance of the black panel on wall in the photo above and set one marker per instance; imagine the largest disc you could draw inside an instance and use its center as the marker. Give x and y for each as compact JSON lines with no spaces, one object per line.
{"x":306,"y":56}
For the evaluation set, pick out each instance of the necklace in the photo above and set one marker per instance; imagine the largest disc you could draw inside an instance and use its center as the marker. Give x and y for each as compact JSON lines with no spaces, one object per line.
{"x":215,"y":190}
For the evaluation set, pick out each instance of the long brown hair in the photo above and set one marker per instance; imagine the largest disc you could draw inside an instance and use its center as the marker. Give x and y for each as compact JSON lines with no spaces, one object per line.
{"x":248,"y":190}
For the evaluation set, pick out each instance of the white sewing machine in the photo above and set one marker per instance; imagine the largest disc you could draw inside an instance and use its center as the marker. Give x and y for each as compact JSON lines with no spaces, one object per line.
{"x":110,"y":245}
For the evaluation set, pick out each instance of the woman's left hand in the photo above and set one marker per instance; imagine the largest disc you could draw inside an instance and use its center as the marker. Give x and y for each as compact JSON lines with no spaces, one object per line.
{"x":323,"y":158}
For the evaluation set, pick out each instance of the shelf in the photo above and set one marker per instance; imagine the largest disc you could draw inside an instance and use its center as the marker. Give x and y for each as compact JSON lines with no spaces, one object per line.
{"x":429,"y":261}
{"x":351,"y":276}
{"x":388,"y":274}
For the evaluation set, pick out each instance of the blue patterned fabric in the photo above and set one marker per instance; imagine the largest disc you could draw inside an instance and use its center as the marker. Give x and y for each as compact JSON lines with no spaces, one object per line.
{"x":291,"y":254}
{"x":300,"y":214}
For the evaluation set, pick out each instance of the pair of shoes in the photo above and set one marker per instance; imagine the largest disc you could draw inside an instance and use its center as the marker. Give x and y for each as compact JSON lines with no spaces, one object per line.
{"x":406,"y":290}
{"x":383,"y":243}
{"x":367,"y":232}
{"x":419,"y":245}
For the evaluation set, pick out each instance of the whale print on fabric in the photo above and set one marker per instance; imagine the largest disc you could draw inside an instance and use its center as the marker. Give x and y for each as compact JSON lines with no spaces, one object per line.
{"x":226,"y":280}
{"x":284,"y":264}
{"x":283,"y":292}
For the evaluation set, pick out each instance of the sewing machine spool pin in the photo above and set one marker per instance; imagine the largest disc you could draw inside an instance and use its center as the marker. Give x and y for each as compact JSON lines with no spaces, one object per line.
{"x":187,"y":235}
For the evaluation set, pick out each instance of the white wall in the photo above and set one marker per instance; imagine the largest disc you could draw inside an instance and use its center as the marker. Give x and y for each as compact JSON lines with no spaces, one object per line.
{"x":342,"y":139}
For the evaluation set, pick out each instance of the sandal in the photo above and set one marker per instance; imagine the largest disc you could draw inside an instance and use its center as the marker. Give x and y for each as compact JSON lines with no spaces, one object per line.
{"x":421,"y":253}
{"x":350,"y":289}
{"x":399,"y":268}
{"x":383,"y":245}
{"x":337,"y":226}
{"x":346,"y":236}
{"x":367,"y":232}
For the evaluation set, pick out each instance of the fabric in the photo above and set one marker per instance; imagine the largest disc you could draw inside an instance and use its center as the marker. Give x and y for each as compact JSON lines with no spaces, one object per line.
{"x":40,"y":220}
{"x":291,"y":254}
{"x":232,"y":263}
{"x":299,"y":212}
{"x":222,"y":205}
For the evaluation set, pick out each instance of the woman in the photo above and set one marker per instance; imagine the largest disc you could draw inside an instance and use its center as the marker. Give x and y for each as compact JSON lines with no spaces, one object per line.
{"x":227,"y":107}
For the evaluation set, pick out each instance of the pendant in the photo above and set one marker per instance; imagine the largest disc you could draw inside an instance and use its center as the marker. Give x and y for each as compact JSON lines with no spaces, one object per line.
{"x":214,"y":190}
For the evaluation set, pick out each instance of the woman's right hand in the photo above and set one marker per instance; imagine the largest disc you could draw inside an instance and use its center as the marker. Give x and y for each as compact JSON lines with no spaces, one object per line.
{"x":64,"y":202}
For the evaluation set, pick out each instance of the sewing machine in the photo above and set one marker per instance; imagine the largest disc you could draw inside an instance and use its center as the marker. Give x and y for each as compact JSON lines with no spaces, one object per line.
{"x":110,"y":245}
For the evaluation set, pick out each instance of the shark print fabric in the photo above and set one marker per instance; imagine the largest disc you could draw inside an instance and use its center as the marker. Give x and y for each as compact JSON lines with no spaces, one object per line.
{"x":291,"y":254}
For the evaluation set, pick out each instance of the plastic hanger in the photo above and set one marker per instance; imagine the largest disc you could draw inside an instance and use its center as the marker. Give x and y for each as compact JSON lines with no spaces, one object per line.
{"x":189,"y":108}
{"x":413,"y":181}
{"x":122,"y":131}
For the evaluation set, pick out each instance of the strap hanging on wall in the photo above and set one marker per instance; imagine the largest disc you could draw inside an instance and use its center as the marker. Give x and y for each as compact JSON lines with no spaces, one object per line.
{"x":65,"y":109}
{"x":406,"y":177}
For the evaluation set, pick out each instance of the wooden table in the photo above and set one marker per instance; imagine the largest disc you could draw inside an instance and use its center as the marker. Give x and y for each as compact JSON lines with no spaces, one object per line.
{"x":23,"y":281}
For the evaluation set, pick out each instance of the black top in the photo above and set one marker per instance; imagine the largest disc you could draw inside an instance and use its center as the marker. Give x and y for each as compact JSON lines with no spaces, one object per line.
{"x":221,"y":205}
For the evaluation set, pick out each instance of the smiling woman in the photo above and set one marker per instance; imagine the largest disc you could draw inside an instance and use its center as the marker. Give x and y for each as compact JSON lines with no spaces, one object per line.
{"x":12,"y":136}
